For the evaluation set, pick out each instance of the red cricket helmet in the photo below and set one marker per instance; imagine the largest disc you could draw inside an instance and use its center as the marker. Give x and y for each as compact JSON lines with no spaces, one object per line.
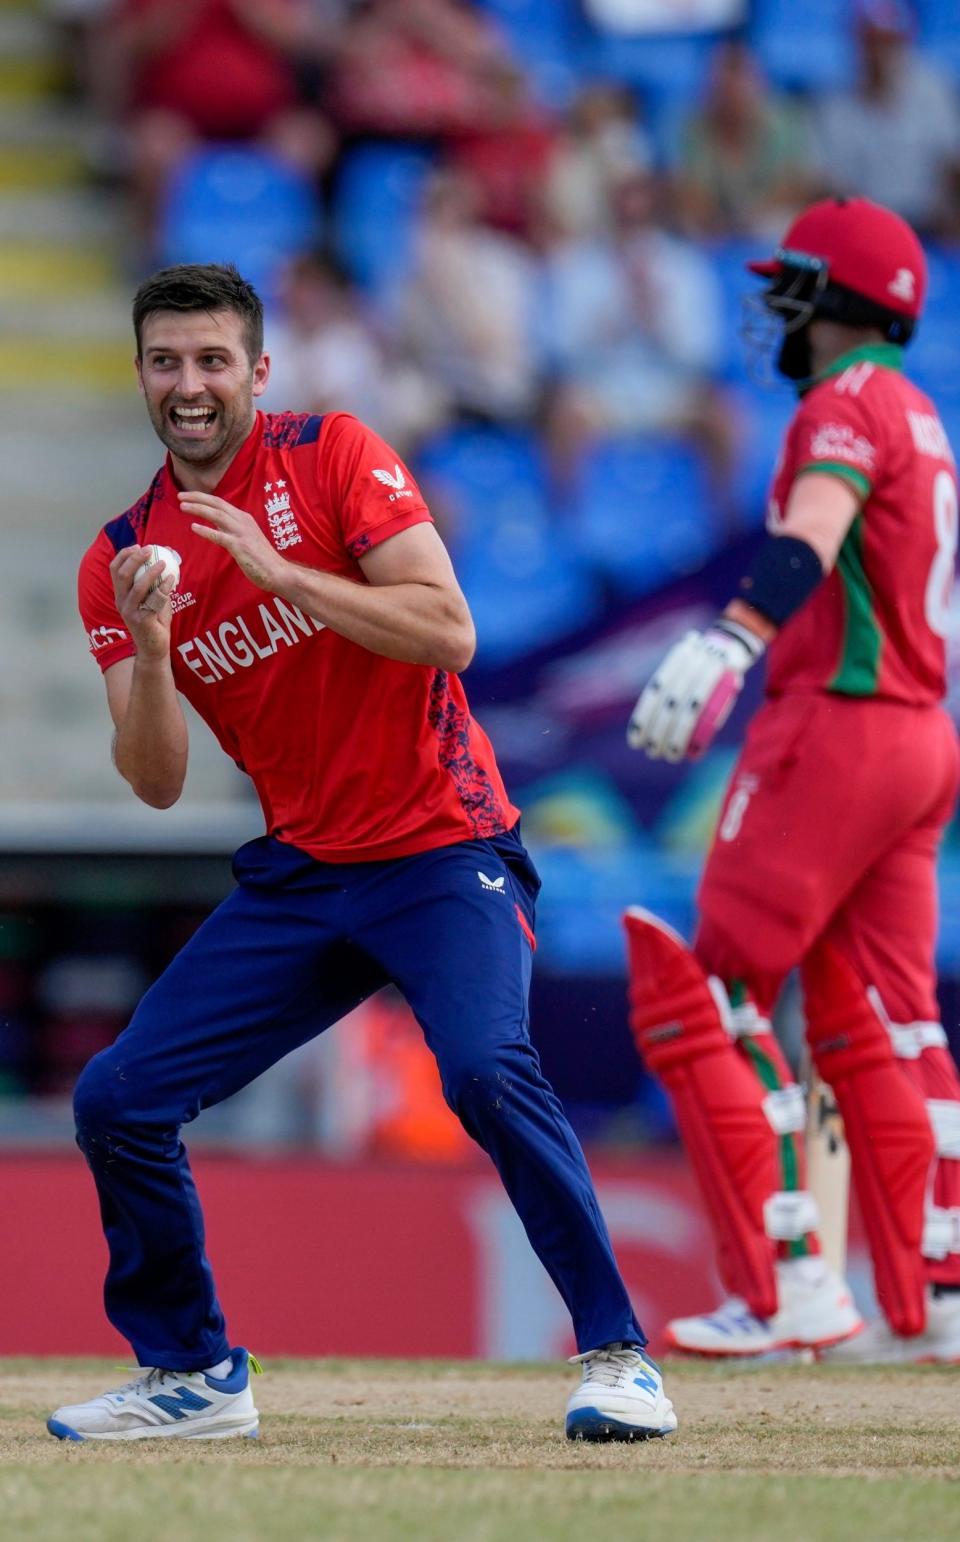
{"x":859,"y":245}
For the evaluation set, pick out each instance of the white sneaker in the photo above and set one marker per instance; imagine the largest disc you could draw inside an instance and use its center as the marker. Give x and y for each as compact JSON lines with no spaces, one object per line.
{"x":621,"y":1397}
{"x":732,"y":1329}
{"x":182,"y":1404}
{"x":939,"y":1344}
{"x":816,"y":1309}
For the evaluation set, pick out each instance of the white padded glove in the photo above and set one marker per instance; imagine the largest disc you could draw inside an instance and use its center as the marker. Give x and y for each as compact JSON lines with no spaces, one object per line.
{"x":692,"y":693}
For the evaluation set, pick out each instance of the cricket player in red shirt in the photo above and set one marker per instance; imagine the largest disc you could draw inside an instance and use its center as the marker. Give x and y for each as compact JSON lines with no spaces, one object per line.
{"x":312,"y":617}
{"x":824,"y":856}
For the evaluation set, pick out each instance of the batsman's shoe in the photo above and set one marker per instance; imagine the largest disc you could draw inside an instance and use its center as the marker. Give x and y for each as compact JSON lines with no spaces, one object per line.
{"x":732,"y":1329}
{"x":175,"y":1404}
{"x":621,"y":1397}
{"x":816,"y":1309}
{"x":939,"y":1344}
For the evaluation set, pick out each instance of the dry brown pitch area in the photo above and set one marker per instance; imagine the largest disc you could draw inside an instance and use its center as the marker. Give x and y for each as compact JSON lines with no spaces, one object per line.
{"x":396,"y":1450}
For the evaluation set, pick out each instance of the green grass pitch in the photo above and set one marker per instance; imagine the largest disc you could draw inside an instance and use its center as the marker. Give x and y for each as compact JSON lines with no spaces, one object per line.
{"x":390,"y":1450}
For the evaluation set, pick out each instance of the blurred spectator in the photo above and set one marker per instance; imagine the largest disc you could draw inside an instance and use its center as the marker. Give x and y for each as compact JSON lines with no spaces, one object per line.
{"x":633,"y":325}
{"x":600,"y":141}
{"x":744,"y":166}
{"x":465,"y":314}
{"x":182,"y":71}
{"x":325,"y":357}
{"x":896,"y":137}
{"x":509,"y":156}
{"x":418,"y":68}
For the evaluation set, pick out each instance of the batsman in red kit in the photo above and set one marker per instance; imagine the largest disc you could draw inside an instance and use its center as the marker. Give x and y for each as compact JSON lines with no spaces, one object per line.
{"x":825,"y":852}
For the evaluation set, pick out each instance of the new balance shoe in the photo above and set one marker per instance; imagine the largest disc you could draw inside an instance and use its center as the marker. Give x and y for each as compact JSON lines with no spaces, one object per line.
{"x":816,"y":1309}
{"x":621,"y":1397}
{"x":731,"y":1329}
{"x":159,"y":1403}
{"x":939,"y":1344}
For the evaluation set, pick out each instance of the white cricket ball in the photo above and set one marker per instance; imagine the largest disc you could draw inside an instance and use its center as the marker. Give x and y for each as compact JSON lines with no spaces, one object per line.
{"x":171,"y":565}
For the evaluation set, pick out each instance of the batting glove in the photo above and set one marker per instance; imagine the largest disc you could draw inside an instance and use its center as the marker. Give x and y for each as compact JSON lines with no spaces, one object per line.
{"x":692,"y":693}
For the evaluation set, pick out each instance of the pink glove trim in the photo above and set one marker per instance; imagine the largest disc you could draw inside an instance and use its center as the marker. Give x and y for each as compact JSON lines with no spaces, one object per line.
{"x":715,"y":712}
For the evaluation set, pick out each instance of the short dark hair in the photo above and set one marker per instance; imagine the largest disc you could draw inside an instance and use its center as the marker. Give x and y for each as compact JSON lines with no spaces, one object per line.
{"x":208,"y":286}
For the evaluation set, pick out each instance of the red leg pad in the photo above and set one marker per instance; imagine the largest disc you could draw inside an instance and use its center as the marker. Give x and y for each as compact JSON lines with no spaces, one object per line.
{"x":717,"y":1102}
{"x":886,"y":1125}
{"x":934,"y":1074}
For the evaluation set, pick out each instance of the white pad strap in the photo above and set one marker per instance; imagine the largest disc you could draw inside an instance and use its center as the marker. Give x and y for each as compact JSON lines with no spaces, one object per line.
{"x":786,"y":1109}
{"x":746,"y":1021}
{"x":721,"y":1000}
{"x":911,"y":1039}
{"x":740,"y":1022}
{"x":941,"y":1232}
{"x":945,"y":1118}
{"x":789,"y":1216}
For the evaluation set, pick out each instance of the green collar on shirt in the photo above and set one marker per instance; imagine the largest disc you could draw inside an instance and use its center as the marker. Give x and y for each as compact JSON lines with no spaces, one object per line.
{"x":890,"y":355}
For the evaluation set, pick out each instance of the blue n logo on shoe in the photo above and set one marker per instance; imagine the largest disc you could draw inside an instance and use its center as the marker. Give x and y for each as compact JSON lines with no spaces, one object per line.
{"x":181,"y":1403}
{"x":646,"y":1381}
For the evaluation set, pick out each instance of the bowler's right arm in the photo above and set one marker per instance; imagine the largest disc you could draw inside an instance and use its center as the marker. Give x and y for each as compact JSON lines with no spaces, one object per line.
{"x":150,"y":744}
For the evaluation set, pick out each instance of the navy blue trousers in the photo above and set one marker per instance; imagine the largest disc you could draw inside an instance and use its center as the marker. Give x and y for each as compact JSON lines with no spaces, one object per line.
{"x":295,"y":946}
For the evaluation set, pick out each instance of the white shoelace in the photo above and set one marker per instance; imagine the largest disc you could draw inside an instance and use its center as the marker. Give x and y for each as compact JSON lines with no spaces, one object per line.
{"x":152,"y":1376}
{"x":609,"y":1367}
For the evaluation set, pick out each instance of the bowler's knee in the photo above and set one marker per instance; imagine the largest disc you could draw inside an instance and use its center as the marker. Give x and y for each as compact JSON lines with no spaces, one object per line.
{"x":98,"y":1096}
{"x":479,"y":1082}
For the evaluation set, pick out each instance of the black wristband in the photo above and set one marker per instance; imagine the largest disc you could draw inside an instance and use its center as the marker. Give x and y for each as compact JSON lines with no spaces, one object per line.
{"x":783,"y":574}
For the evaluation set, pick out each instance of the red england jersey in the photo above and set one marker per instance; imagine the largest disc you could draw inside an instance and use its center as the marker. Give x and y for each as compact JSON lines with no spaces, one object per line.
{"x":355,"y":757}
{"x":876,"y":625}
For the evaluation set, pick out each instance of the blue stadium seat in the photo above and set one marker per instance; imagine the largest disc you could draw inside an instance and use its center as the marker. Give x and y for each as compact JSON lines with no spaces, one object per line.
{"x":933,"y":358}
{"x":525,"y":586}
{"x":544,"y":37}
{"x":728,"y":259}
{"x":657,"y":66}
{"x":376,"y":203}
{"x":940,"y":33}
{"x":664,"y":115}
{"x":229,"y":203}
{"x":482,"y":476}
{"x":642,"y":511}
{"x":579,"y":915}
{"x":765,"y":412}
{"x":949,"y":410}
{"x":524,"y":593}
{"x":805,"y":47}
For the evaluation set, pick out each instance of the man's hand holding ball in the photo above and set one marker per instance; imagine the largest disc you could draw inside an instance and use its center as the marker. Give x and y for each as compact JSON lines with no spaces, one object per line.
{"x":144,"y":577}
{"x":162,"y":585}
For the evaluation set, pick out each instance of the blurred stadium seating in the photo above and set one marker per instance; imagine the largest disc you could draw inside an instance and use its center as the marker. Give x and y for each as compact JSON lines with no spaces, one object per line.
{"x":526,"y":587}
{"x":642,"y":512}
{"x":244,"y":205}
{"x":547,"y":38}
{"x":939,"y":32}
{"x":378,"y":193}
{"x":805,"y":48}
